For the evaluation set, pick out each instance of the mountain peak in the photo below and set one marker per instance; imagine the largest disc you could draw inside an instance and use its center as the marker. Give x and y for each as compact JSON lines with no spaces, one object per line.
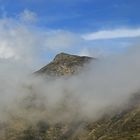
{"x":65,"y":64}
{"x":68,"y":57}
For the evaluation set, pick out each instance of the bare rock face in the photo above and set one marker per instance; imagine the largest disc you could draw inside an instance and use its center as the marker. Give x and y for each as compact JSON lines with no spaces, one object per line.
{"x":65,"y":64}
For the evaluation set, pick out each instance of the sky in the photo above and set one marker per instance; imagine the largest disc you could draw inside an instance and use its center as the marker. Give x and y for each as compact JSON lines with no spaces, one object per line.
{"x":39,"y":29}
{"x":78,"y":15}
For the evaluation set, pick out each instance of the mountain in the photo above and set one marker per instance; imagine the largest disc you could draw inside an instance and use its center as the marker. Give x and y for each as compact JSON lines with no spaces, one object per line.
{"x":65,"y":64}
{"x":123,"y":124}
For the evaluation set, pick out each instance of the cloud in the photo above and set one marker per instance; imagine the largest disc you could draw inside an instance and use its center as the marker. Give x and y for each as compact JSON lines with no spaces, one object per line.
{"x":6,"y":52}
{"x":104,"y":85}
{"x":20,"y":43}
{"x":85,"y":52}
{"x":28,"y":16}
{"x":112,"y":34}
{"x":30,"y":45}
{"x":60,"y":40}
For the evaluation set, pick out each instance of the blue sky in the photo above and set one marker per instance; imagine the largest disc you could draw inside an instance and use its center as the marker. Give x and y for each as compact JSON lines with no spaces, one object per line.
{"x":85,"y":27}
{"x":78,"y":15}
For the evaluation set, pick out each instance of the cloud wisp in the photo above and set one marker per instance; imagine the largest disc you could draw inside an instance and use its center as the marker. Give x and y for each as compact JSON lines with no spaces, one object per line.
{"x":112,"y":34}
{"x":28,"y":16}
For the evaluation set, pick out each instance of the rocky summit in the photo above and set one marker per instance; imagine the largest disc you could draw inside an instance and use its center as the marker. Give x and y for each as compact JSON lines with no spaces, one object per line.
{"x":65,"y":64}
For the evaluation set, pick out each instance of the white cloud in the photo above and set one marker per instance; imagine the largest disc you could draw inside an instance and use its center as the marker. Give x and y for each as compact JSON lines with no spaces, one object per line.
{"x":112,"y":34}
{"x":6,"y":52}
{"x":28,"y":45}
{"x":19,"y":43}
{"x":61,"y":40}
{"x":28,"y":16}
{"x":85,"y":52}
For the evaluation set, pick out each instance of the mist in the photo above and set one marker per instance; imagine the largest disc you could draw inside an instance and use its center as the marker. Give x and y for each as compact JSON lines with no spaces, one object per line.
{"x":102,"y":87}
